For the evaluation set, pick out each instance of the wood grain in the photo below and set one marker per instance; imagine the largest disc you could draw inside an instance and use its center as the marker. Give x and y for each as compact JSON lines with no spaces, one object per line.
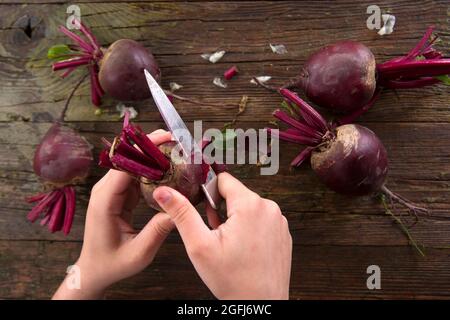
{"x":335,"y":237}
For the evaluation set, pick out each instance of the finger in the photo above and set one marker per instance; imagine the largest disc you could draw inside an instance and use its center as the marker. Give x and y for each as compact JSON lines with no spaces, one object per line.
{"x":188,"y":221}
{"x":160,"y":136}
{"x":151,"y":237}
{"x":213,"y":217}
{"x":230,"y":187}
{"x":110,"y":193}
{"x":131,"y":201}
{"x":233,"y":191}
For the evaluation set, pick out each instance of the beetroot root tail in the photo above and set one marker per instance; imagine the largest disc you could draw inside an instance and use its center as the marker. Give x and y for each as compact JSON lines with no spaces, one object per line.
{"x":412,"y":208}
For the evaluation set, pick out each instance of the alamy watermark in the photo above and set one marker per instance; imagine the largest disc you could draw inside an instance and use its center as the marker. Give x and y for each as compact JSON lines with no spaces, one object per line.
{"x":249,"y":146}
{"x":73,"y":279}
{"x":74,"y":17}
{"x":374,"y":280}
{"x":376,"y":17}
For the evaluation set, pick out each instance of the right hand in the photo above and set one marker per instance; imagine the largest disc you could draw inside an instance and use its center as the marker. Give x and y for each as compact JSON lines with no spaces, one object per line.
{"x":248,"y":256}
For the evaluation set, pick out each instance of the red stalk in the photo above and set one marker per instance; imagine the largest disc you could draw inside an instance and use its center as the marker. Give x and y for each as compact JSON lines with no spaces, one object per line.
{"x":46,"y":202}
{"x":89,"y":35}
{"x":37,"y":197}
{"x":311,"y":116}
{"x":292,"y":137}
{"x":69,"y":194}
{"x":230,"y":73}
{"x":83,"y":44}
{"x":95,"y":92}
{"x":132,"y":153}
{"x":147,"y":146}
{"x":303,"y":129}
{"x":409,"y":84}
{"x":67,"y":72}
{"x":104,"y":160}
{"x":56,"y":214}
{"x":418,"y":48}
{"x":136,"y":168}
{"x":71,"y":63}
{"x":357,"y":113}
{"x":302,"y":156}
{"x":412,"y":69}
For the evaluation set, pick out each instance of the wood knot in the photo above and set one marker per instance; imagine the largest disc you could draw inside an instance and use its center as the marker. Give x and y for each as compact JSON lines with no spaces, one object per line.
{"x":29,"y":28}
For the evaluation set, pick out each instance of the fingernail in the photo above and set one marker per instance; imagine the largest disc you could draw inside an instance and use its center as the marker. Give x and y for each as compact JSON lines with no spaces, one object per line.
{"x":162,"y":195}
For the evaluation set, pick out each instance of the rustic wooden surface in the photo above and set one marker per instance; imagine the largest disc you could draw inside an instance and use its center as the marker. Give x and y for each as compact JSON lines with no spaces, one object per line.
{"x":335,"y":238}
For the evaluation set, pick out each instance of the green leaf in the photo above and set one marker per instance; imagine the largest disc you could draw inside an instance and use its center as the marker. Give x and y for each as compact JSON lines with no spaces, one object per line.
{"x":58,"y":52}
{"x":420,"y":58}
{"x":284,"y":105}
{"x":225,"y":141}
{"x":444,"y":78}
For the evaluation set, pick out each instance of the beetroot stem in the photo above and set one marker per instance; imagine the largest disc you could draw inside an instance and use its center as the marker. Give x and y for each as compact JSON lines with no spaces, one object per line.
{"x":132,"y":153}
{"x":358,"y":112}
{"x":95,"y":91}
{"x":302,"y":156}
{"x":83,"y":44}
{"x":412,"y":69}
{"x":69,"y":193}
{"x":136,"y":168}
{"x":416,"y":50}
{"x":147,"y":146}
{"x":42,"y":205}
{"x":311,"y":116}
{"x":292,"y":137}
{"x":89,"y":35}
{"x":408,"y":84}
{"x":303,"y":129}
{"x":71,"y":63}
{"x":56,"y":214}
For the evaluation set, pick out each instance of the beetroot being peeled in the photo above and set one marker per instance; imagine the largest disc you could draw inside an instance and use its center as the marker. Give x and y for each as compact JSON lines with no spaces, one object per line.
{"x":152,"y":165}
{"x":344,"y":76}
{"x":118,"y":70}
{"x":62,"y":160}
{"x":349,"y":159}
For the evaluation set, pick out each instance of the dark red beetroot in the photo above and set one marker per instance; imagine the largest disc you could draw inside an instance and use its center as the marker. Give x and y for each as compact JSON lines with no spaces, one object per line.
{"x":118,"y":71}
{"x":61,"y":160}
{"x":340,"y":76}
{"x":343,"y":77}
{"x":349,"y":159}
{"x":152,"y":165}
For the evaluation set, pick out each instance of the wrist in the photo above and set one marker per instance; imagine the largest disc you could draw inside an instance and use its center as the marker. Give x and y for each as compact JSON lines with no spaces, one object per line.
{"x":91,"y":278}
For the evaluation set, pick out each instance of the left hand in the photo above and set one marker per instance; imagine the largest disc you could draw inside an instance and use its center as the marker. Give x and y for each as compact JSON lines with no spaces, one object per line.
{"x":112,"y":249}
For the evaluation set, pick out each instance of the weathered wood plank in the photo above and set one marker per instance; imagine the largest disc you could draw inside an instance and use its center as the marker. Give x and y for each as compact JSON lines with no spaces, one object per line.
{"x":35,"y":269}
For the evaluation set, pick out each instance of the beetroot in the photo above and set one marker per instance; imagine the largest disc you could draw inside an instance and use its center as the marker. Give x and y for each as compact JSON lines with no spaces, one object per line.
{"x":118,"y":71}
{"x":349,"y":159}
{"x":62,"y":160}
{"x":343,"y":77}
{"x":152,"y":165}
{"x":340,"y":76}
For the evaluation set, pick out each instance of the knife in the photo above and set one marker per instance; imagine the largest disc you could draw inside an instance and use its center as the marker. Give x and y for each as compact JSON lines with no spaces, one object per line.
{"x":181,"y":134}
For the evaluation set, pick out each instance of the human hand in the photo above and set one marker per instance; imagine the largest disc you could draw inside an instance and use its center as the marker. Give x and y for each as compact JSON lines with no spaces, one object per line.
{"x":112,"y":249}
{"x":248,"y":256}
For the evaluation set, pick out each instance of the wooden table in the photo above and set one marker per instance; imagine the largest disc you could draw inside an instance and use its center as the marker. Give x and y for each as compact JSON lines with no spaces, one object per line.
{"x":335,"y":238}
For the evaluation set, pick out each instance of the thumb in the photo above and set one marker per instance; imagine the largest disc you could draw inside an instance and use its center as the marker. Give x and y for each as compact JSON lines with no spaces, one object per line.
{"x":151,"y":237}
{"x":188,"y":221}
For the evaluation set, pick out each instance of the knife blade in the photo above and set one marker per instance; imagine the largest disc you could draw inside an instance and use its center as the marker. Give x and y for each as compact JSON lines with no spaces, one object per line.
{"x":182,"y":135}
